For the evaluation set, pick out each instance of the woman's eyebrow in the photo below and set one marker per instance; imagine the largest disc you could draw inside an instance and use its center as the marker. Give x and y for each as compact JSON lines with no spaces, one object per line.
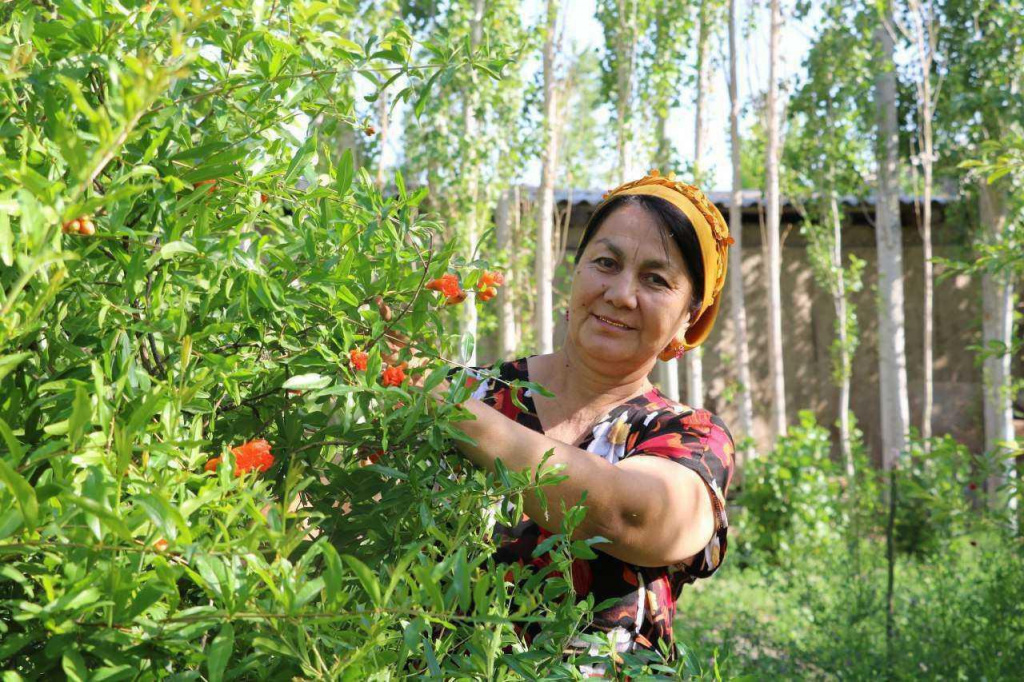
{"x":648,"y":264}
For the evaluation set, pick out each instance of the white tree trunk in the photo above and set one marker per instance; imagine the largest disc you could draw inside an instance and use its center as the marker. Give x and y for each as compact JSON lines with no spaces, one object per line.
{"x":383,"y":119}
{"x":997,"y":329}
{"x":839,"y":302}
{"x":892,"y":359}
{"x":923,"y":34}
{"x":773,"y":218}
{"x":695,"y":358}
{"x":506,"y":310}
{"x":626,"y":48}
{"x":544,"y":263}
{"x":737,"y":301}
{"x":469,"y":318}
{"x":666,"y":374}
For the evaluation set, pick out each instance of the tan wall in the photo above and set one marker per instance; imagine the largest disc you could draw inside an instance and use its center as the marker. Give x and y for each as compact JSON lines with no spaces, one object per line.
{"x":808,"y":332}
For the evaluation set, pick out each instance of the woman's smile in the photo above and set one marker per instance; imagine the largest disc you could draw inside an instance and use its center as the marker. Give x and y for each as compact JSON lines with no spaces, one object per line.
{"x":611,"y":323}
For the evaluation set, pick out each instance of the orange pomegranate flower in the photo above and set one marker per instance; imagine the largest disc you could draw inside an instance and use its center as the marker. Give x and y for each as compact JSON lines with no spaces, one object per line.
{"x":358,"y":359}
{"x":487,"y":294}
{"x":393,"y":376}
{"x":459,"y":297}
{"x":252,"y":455}
{"x":447,"y":284}
{"x":490,"y":280}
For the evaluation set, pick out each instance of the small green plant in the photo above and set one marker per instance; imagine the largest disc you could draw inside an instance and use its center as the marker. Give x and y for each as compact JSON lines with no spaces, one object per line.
{"x":791,"y":500}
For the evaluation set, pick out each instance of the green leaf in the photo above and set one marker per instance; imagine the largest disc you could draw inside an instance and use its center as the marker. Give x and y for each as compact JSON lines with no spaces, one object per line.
{"x":345,"y":173}
{"x":332,"y":572}
{"x":171,"y":249}
{"x":8,"y":363}
{"x":301,"y":382}
{"x":301,"y":157}
{"x":23,"y":493}
{"x":220,"y":652}
{"x":365,"y":576}
{"x":81,"y":415}
{"x":17,"y":452}
{"x":74,"y":666}
{"x":308,"y":592}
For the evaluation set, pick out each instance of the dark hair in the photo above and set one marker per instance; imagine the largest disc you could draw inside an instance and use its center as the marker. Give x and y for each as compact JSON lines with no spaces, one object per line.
{"x":671,"y":220}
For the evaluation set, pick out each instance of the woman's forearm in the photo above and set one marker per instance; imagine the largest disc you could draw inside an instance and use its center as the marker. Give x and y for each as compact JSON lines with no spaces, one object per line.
{"x":610,"y":510}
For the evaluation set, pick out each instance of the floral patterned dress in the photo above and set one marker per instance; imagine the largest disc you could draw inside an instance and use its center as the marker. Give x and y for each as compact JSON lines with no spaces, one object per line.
{"x":650,"y":424}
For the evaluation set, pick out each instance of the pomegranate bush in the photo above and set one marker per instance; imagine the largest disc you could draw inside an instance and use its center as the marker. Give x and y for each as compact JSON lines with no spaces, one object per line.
{"x":212,"y":461}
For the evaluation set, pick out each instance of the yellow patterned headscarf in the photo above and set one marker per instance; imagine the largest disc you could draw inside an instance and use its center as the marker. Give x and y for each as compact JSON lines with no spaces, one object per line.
{"x":712,"y":235}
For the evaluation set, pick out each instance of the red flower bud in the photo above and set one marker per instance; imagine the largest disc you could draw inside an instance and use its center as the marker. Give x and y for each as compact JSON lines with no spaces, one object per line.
{"x":392,"y":376}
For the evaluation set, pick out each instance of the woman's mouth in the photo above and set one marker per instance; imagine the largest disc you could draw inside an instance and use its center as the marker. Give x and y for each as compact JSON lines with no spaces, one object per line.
{"x":611,"y":322}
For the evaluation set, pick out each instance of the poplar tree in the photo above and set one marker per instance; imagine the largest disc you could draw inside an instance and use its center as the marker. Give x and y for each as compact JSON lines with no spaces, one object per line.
{"x":892,"y":359}
{"x":920,"y":22}
{"x":737,"y":299}
{"x":544,"y":262}
{"x":773,"y":217}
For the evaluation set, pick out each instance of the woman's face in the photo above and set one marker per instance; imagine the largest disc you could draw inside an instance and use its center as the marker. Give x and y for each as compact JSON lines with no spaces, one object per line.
{"x":631,"y":291}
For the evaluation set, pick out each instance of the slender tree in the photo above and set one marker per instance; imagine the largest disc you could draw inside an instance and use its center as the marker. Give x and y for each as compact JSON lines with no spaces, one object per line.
{"x":892,"y":363}
{"x":507,"y":341}
{"x":920,"y":23}
{"x":737,"y":299}
{"x":544,"y":263}
{"x":773,"y":218}
{"x":694,"y":357}
{"x":471,"y":103}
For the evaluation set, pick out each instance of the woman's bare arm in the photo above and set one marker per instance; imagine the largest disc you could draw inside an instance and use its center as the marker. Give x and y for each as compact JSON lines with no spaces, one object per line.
{"x":653,"y":511}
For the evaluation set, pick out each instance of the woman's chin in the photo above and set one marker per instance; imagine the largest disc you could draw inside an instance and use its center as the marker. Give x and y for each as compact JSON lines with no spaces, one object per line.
{"x":599,"y":350}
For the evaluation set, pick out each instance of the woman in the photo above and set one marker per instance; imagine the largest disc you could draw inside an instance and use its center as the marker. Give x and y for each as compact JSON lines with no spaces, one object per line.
{"x":648,"y":279}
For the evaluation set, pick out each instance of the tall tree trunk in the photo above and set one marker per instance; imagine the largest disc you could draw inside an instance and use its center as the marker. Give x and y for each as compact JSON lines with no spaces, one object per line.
{"x":929,"y":292}
{"x":773,"y":241}
{"x":543,"y":265}
{"x":839,"y":302}
{"x":506,"y":310}
{"x":997,"y":329}
{"x":892,"y":367}
{"x":666,"y":374}
{"x":626,"y":49}
{"x":518,"y":300}
{"x":695,"y":358}
{"x":892,"y":364}
{"x":924,"y":36}
{"x":736,"y":295}
{"x":469,"y":318}
{"x":383,"y":120}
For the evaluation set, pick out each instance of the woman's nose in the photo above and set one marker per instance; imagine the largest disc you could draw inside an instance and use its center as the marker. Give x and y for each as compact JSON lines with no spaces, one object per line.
{"x":621,"y":291}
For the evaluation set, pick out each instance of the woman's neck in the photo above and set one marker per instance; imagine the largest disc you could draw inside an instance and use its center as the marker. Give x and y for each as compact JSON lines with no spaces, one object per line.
{"x":578,"y":383}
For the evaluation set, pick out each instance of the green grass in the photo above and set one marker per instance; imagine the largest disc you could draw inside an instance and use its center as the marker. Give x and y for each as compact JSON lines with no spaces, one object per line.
{"x":958,"y":615}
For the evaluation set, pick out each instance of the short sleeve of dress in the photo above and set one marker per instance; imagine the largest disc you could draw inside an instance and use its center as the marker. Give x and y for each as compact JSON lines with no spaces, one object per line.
{"x":698,"y":440}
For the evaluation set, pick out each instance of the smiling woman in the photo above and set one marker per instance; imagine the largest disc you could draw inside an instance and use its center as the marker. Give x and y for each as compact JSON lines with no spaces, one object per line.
{"x":648,"y":279}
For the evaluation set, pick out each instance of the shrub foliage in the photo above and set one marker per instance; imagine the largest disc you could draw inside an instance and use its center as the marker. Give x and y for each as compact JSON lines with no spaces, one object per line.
{"x":192,"y":263}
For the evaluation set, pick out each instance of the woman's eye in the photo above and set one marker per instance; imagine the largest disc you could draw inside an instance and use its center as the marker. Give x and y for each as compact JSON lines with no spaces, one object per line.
{"x":657,"y":280}
{"x":605,"y":262}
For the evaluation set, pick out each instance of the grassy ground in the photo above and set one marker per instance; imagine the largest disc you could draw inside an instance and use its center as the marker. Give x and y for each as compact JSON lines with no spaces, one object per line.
{"x":958,"y":615}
